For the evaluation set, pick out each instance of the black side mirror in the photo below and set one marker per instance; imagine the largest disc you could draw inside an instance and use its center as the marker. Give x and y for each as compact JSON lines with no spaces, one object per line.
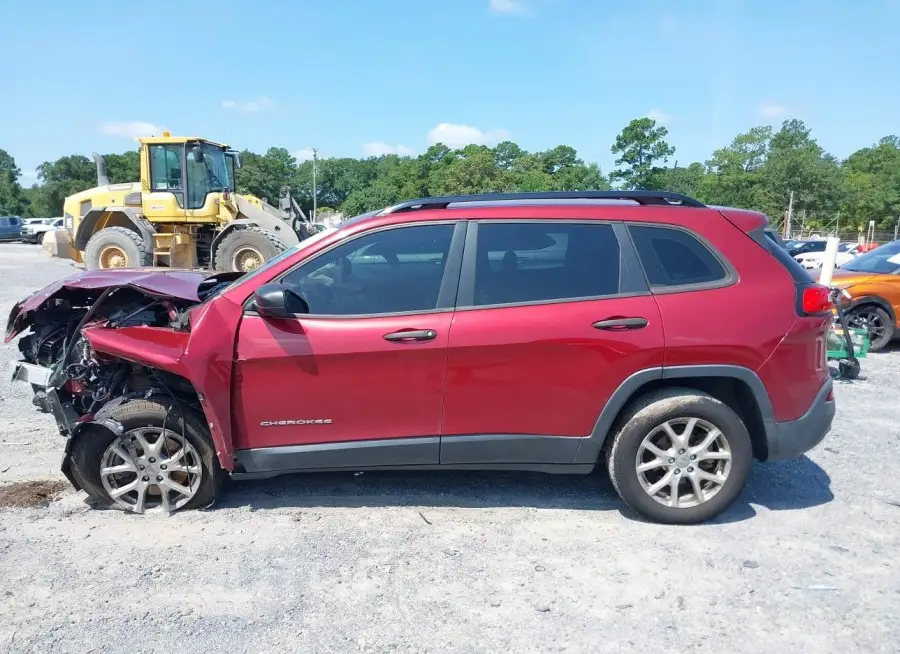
{"x":271,"y":301}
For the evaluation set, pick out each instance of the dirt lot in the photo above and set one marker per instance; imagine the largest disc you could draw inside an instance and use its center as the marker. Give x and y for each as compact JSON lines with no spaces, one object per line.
{"x":806,"y":561}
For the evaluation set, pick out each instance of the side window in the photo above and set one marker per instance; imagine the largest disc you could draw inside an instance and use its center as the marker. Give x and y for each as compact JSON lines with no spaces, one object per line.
{"x":4,"y":221}
{"x":391,"y":271}
{"x":672,"y":257}
{"x":536,"y":262}
{"x":14,"y":221}
{"x":165,"y":170}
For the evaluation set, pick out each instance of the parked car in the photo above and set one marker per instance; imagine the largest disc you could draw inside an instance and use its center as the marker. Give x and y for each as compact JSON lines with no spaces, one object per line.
{"x":804,"y":247}
{"x":668,"y":341}
{"x":10,"y":226}
{"x":814,"y":259}
{"x":873,"y":281}
{"x":34,"y":232}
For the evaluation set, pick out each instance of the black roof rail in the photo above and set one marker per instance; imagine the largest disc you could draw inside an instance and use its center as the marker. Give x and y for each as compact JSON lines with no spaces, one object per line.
{"x":647,"y":198}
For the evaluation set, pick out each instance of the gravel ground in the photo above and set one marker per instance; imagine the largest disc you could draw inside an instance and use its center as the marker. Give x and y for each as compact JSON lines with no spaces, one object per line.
{"x":805,"y":561}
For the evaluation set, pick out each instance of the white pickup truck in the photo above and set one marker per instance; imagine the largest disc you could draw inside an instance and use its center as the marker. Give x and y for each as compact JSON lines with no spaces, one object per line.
{"x":34,"y":231}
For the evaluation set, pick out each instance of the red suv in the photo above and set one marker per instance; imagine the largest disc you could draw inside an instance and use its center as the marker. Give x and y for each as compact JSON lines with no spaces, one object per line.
{"x":669,"y":341}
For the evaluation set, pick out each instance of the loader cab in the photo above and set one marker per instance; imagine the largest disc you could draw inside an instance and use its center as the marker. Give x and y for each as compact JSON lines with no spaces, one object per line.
{"x":183,"y":178}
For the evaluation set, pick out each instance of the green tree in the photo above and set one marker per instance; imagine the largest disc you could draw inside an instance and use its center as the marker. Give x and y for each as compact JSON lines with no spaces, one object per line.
{"x":640,"y":147}
{"x":59,"y":179}
{"x":122,"y":168}
{"x":12,"y":199}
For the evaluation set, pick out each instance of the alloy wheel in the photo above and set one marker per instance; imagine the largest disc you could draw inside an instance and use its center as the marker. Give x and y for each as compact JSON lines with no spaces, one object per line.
{"x":683,"y":462}
{"x":150,"y":468}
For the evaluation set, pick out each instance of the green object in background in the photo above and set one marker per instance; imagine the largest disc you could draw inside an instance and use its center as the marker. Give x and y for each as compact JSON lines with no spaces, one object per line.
{"x":836,"y":344}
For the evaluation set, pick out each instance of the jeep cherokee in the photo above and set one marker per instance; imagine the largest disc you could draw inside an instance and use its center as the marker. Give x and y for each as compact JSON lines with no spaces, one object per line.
{"x":669,"y":341}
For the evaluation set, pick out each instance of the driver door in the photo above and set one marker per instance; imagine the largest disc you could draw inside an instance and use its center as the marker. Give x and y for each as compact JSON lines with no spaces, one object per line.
{"x":362,"y":362}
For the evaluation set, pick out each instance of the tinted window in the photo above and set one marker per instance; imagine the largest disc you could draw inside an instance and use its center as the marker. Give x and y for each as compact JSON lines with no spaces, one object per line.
{"x":672,"y":257}
{"x":390,"y":271}
{"x":13,"y":220}
{"x":533,"y":262}
{"x":4,"y":222}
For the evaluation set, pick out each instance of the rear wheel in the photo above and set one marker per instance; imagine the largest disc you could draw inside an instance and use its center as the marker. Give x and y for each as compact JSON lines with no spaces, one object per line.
{"x":117,"y":247}
{"x":246,"y":249}
{"x":876,"y":321}
{"x":163,"y":459}
{"x":680,"y":457}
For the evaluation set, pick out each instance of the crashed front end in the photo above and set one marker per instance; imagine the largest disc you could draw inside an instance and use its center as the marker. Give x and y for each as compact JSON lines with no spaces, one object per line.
{"x":64,"y":326}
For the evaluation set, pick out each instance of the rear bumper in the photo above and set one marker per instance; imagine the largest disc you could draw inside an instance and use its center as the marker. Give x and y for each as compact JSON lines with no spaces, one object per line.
{"x":788,"y":440}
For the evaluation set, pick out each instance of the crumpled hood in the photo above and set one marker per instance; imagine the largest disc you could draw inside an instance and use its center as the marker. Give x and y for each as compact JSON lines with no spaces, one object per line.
{"x":159,"y":282}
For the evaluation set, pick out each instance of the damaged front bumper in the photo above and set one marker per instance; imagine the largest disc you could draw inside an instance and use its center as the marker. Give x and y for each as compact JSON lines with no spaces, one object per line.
{"x":48,"y":399}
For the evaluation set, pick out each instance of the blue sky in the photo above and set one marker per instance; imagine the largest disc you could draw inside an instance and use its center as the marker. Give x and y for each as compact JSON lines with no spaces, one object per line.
{"x":351,"y":77}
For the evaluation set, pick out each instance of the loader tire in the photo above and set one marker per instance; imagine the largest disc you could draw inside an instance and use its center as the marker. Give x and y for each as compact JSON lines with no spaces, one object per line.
{"x":246,"y":249}
{"x":117,"y":247}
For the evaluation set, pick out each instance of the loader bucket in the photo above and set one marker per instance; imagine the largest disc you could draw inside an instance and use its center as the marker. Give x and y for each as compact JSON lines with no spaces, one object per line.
{"x":58,"y":243}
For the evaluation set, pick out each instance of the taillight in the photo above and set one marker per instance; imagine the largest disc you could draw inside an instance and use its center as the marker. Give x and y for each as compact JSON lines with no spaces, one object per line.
{"x":815,"y":299}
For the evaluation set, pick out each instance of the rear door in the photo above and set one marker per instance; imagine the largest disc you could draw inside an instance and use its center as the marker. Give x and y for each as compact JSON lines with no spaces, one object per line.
{"x":552,"y":317}
{"x":365,"y":365}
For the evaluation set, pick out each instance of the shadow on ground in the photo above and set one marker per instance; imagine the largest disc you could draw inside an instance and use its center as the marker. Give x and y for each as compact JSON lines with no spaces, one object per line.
{"x":782,"y":486}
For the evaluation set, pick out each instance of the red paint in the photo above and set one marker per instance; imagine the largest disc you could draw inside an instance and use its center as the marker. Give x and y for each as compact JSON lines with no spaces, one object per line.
{"x":543,"y":369}
{"x":540,"y":369}
{"x":338,"y":369}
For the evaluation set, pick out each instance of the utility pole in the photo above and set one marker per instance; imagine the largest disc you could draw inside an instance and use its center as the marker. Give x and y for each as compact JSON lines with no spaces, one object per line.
{"x":896,"y":228}
{"x":315,"y":189}
{"x":837,"y":225}
{"x":787,"y":222}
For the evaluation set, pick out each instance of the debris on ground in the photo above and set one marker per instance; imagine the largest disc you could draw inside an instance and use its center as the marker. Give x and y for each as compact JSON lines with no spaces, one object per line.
{"x":30,"y":494}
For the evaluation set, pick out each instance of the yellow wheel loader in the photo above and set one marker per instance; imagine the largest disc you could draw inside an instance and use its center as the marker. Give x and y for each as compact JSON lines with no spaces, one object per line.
{"x":184,"y":213}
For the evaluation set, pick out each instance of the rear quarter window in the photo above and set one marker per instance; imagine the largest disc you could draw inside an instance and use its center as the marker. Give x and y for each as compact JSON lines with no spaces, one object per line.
{"x":674,"y":258}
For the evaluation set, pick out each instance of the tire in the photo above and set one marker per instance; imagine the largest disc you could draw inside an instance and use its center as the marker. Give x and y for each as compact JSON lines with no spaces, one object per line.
{"x":263,"y":242}
{"x":643,"y":420}
{"x":137,"y":252}
{"x":870,"y":313}
{"x":91,"y":447}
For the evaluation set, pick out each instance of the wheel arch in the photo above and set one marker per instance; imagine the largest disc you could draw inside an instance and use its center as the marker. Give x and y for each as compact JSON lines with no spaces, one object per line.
{"x":877,"y":300}
{"x":738,"y":387}
{"x":111,"y":217}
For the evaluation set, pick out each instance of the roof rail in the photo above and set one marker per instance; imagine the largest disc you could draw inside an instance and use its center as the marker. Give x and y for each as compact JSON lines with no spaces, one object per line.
{"x":647,"y":198}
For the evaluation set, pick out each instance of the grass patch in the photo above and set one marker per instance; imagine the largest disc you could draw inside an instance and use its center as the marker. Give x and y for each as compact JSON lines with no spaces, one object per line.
{"x":30,"y":494}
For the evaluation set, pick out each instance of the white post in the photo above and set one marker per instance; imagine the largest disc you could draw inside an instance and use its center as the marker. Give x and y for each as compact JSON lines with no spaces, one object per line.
{"x":314,"y":189}
{"x":831,"y":250}
{"x":787,"y":220}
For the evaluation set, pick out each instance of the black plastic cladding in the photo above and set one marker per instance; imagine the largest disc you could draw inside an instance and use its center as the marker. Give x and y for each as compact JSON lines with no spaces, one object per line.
{"x":649,"y":198}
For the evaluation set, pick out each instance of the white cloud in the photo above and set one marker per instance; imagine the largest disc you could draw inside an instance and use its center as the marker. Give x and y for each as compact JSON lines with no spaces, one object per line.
{"x":770,"y":110}
{"x":509,"y":7}
{"x":248,"y":106}
{"x":659,"y":116}
{"x":132,"y":129}
{"x":377,"y":148}
{"x":304,"y":154}
{"x":458,"y":136}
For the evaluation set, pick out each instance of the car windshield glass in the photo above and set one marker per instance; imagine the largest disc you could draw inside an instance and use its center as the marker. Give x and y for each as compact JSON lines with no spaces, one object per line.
{"x":274,"y":260}
{"x":884,"y":259}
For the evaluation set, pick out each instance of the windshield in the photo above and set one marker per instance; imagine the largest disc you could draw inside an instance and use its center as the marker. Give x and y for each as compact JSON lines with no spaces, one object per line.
{"x":302,"y":245}
{"x":881,"y":260}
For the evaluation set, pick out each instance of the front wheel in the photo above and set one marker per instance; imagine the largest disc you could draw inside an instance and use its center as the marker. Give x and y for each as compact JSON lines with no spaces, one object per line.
{"x":876,"y":321}
{"x":680,"y":457}
{"x":163,"y":459}
{"x":246,"y":249}
{"x":117,"y":247}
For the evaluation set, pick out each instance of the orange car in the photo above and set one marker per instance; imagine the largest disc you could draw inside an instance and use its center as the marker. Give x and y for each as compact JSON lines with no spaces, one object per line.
{"x":873,"y":282}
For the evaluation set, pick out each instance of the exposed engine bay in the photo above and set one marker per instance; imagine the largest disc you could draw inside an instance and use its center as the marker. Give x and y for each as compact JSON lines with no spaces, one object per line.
{"x":82,"y":379}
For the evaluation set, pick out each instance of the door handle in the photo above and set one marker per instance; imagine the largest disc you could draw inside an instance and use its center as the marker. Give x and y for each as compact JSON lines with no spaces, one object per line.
{"x":409,"y":335}
{"x":617,"y":324}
